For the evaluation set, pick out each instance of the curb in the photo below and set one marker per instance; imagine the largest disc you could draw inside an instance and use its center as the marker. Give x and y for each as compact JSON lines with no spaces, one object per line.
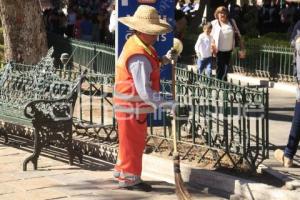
{"x":238,"y":188}
{"x":290,"y":183}
{"x":287,"y":87}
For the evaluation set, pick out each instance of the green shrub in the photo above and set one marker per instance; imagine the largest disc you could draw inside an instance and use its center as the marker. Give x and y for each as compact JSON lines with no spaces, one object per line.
{"x":273,"y":39}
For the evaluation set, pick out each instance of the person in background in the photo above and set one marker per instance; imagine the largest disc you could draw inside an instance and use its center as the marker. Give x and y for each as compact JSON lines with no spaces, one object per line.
{"x":286,"y":157}
{"x":136,"y":93}
{"x":77,"y":29}
{"x":112,"y":23}
{"x":62,"y":23}
{"x":71,"y":20}
{"x":204,"y":48}
{"x":181,"y":23}
{"x":95,"y":29}
{"x":112,"y":18}
{"x":295,"y":32}
{"x":86,"y":28}
{"x":223,"y":33}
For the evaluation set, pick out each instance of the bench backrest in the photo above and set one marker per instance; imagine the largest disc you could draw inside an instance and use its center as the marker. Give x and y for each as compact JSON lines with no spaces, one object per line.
{"x":20,"y":84}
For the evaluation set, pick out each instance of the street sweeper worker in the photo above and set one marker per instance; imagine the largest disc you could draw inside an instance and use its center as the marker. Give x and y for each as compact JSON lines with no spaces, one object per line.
{"x":136,"y":93}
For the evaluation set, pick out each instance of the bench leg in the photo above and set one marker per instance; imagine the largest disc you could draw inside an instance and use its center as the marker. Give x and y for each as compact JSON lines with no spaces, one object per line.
{"x":38,"y":145}
{"x":69,"y":143}
{"x":4,"y":134}
{"x":71,"y":152}
{"x":5,"y":138}
{"x":70,"y":146}
{"x":78,"y":152}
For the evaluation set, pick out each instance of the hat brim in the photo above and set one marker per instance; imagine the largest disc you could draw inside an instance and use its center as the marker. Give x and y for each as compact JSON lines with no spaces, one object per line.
{"x":146,"y":27}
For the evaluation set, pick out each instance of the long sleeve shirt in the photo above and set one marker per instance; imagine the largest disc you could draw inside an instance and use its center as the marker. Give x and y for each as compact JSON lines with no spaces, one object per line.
{"x":140,"y":68}
{"x":295,"y":35}
{"x":112,"y":21}
{"x":296,"y":32}
{"x":203,"y":46}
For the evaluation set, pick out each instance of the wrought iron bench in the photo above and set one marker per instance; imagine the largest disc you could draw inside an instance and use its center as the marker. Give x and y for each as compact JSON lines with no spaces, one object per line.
{"x":37,"y":98}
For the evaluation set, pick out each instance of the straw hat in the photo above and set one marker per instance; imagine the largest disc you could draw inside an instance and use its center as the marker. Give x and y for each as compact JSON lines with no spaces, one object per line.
{"x":146,"y":20}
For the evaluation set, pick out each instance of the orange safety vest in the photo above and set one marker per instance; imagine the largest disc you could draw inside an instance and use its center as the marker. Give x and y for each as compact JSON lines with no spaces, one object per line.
{"x":126,"y":98}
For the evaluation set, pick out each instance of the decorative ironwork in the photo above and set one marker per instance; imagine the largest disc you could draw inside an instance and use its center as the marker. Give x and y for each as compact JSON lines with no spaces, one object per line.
{"x":221,"y":123}
{"x":36,"y":96}
{"x":229,"y":121}
{"x":266,"y":61}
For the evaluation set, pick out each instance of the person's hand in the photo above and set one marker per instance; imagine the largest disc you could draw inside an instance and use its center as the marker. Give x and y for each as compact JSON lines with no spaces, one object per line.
{"x":213,"y":49}
{"x":169,"y":57}
{"x":242,"y":54}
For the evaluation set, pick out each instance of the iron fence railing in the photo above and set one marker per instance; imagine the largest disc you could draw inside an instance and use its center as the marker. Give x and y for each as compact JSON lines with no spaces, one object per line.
{"x":219,"y":121}
{"x":267,"y":61}
{"x":100,"y":58}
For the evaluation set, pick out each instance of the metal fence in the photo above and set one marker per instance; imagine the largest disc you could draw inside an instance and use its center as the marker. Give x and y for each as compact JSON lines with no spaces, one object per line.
{"x":100,"y":58}
{"x":220,"y":123}
{"x":266,"y":61}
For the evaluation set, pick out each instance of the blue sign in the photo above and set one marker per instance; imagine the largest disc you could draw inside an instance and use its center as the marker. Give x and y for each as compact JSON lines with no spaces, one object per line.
{"x":165,"y":9}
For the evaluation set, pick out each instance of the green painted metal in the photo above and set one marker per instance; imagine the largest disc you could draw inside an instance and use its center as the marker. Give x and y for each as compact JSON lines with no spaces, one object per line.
{"x":224,"y":116}
{"x":99,"y":58}
{"x":37,"y":97}
{"x":218,"y":120}
{"x":228,"y":121}
{"x":266,"y":61}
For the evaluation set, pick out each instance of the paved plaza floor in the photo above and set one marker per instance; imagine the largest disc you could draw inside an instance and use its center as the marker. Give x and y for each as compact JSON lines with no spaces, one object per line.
{"x":281,"y":113}
{"x":282,"y":98}
{"x":55,"y":179}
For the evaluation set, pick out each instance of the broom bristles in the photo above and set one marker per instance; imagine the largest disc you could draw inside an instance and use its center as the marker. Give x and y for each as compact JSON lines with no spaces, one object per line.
{"x":181,"y":190}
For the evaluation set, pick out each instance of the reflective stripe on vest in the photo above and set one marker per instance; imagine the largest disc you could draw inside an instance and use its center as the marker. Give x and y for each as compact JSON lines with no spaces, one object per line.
{"x":135,"y":110}
{"x":126,"y":97}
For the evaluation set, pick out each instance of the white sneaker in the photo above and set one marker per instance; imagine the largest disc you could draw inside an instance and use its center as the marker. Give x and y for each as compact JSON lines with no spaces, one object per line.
{"x":285,"y":161}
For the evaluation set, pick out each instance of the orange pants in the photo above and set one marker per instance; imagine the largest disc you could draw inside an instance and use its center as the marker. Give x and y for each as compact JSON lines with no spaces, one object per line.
{"x":132,"y":130}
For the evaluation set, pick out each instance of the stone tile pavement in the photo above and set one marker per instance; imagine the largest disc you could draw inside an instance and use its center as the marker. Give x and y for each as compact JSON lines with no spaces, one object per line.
{"x":281,"y":111}
{"x":57,"y":180}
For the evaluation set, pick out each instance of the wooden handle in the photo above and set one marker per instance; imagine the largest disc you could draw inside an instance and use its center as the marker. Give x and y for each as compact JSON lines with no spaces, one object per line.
{"x":174,"y":113}
{"x":173,"y":78}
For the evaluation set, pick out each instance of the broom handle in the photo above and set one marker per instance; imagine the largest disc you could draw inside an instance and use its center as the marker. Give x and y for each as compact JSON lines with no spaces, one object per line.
{"x":174,"y":112}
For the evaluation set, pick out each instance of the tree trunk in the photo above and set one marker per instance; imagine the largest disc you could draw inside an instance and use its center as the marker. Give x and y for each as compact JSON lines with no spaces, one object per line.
{"x":25,"y":38}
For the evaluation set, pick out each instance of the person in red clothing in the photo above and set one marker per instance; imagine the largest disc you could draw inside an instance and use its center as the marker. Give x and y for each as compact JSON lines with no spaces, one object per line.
{"x":136,"y":93}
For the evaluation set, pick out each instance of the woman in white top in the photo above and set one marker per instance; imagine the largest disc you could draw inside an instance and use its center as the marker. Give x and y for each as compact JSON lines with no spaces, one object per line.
{"x":223,"y":30}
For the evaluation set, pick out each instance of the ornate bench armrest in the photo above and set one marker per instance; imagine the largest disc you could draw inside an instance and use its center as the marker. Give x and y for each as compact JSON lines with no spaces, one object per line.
{"x":54,"y":110}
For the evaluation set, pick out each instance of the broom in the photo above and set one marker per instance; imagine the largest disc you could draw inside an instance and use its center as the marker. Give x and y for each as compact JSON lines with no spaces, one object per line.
{"x":181,"y":191}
